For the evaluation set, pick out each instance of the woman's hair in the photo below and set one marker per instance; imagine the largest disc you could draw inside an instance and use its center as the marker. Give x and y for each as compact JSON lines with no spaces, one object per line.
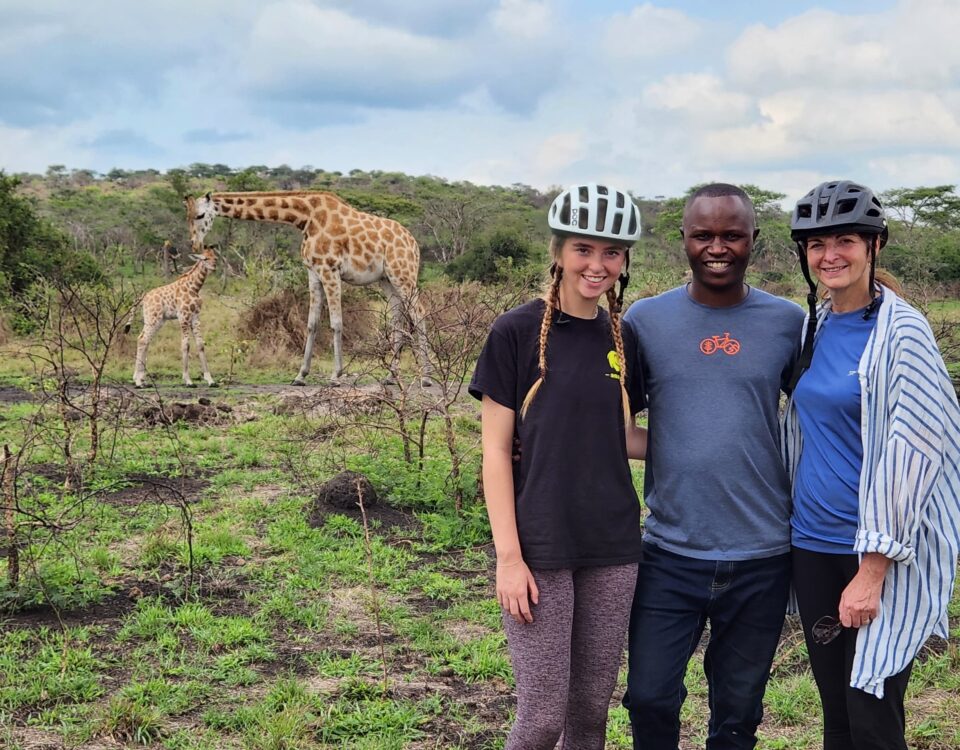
{"x":551,"y":296}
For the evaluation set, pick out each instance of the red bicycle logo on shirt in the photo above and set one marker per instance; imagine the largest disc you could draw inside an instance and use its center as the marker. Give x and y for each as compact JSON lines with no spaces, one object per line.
{"x":720,"y":343}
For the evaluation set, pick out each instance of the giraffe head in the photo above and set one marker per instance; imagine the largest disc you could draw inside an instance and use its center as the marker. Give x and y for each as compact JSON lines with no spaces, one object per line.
{"x":200,"y":214}
{"x":208,"y":258}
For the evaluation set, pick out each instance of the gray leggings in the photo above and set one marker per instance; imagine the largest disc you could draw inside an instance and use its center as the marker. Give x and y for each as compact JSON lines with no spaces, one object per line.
{"x":565,"y":662}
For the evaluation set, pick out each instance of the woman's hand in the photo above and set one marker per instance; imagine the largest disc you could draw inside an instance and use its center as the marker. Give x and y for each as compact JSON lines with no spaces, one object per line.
{"x":860,"y":600}
{"x":516,"y":590}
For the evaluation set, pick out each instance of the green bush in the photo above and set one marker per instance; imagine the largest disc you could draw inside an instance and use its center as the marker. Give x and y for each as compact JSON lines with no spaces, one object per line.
{"x":489,"y":258}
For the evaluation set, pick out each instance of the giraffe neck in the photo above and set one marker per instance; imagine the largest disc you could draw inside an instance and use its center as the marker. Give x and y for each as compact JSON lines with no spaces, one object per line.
{"x":193,"y":279}
{"x":280,"y":207}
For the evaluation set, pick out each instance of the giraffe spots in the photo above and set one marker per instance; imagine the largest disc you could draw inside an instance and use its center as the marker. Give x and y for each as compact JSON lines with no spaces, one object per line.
{"x":273,"y":214}
{"x":300,"y":223}
{"x":313,"y":229}
{"x":257,"y":213}
{"x":298,"y":204}
{"x":267,"y":202}
{"x":322,"y":217}
{"x":335,"y":227}
{"x":290,"y":218}
{"x":315,"y":201}
{"x":284,"y":203}
{"x":388,"y":235}
{"x":227,"y":201}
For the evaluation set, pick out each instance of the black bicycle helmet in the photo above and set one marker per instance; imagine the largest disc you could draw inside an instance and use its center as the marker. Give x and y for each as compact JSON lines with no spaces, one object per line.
{"x":835,"y":207}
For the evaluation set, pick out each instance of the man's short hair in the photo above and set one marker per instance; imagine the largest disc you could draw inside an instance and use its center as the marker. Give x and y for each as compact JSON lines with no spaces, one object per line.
{"x":721,"y":190}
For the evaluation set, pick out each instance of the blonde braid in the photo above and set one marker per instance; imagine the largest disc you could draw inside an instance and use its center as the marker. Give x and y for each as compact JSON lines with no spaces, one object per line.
{"x":618,"y":345}
{"x":551,"y":300}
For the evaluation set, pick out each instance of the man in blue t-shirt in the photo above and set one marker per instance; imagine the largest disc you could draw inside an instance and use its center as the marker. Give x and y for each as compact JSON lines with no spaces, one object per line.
{"x":716,"y":354}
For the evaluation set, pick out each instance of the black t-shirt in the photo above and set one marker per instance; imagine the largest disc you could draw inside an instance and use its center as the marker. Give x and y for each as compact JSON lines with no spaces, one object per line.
{"x":575,"y":501}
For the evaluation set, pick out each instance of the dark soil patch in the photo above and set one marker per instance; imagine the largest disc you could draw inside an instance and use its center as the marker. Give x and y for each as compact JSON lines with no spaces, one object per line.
{"x":387,"y":518}
{"x":203,"y":412}
{"x":10,"y":394}
{"x":103,"y":613}
{"x":157,"y":490}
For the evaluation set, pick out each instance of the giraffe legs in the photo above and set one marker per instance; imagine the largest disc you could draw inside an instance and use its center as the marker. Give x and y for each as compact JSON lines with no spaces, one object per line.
{"x":316,"y":307}
{"x":419,"y":318}
{"x":185,"y":351}
{"x":331,"y":289}
{"x":394,"y":303}
{"x":407,"y":304}
{"x":200,"y":351}
{"x":146,"y":335}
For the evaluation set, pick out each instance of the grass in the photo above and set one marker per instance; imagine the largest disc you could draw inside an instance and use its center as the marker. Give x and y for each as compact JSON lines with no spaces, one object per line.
{"x":276,"y":644}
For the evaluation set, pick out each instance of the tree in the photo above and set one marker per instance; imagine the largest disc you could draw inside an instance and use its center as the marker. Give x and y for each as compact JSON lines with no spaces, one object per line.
{"x":246,"y":181}
{"x":179,"y":181}
{"x":31,"y":249}
{"x":937,"y":207}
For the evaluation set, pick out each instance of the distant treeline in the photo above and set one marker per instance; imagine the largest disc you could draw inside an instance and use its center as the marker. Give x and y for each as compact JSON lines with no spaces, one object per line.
{"x":77,"y":221}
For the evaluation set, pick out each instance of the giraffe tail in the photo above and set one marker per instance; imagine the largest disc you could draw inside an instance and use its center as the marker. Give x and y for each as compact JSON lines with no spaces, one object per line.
{"x":129,"y":323}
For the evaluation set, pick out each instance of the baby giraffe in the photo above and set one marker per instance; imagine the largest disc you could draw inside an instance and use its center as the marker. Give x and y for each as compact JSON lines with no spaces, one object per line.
{"x":178,"y":300}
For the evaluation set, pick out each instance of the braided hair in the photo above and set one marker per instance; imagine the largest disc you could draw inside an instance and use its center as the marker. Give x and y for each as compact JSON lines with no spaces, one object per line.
{"x":551,"y":298}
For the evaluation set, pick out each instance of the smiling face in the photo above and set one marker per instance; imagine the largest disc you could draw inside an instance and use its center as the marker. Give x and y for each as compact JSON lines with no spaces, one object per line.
{"x":841,"y":262}
{"x":590,"y":269}
{"x":718,"y":235}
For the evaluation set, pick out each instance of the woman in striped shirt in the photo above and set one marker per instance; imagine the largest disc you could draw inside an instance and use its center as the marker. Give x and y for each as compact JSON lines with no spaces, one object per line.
{"x":872,"y":440}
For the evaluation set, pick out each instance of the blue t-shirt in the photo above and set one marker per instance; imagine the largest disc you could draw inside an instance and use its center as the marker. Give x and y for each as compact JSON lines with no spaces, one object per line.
{"x":714,"y":481}
{"x":827,"y":484}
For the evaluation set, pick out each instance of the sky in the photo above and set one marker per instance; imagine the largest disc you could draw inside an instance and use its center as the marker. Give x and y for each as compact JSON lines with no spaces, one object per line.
{"x":652,"y":97}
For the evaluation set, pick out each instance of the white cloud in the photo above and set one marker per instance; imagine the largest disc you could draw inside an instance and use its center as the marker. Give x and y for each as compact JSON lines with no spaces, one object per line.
{"x":523,"y":19}
{"x":302,"y":47}
{"x":913,"y":45}
{"x":648,"y":32}
{"x":702,"y":97}
{"x":916,"y":169}
{"x":811,"y":123}
{"x":557,"y":152}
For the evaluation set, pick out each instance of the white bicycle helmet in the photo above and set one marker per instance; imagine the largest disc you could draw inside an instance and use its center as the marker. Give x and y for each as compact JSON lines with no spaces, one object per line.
{"x":594,"y":210}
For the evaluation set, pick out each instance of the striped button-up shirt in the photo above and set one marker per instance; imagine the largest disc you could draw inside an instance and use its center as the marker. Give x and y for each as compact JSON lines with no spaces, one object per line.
{"x":909,"y":487}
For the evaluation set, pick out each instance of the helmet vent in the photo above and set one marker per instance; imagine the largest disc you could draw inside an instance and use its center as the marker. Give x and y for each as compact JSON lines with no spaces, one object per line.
{"x":620,"y":199}
{"x":601,"y":190}
{"x":584,"y":195}
{"x":846,"y":206}
{"x":617,"y":222}
{"x":583,"y":220}
{"x":633,"y":228}
{"x":565,"y":210}
{"x":601,"y":213}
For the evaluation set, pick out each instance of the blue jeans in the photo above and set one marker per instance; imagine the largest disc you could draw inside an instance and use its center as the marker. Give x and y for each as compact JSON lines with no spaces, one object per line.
{"x":745,"y":602}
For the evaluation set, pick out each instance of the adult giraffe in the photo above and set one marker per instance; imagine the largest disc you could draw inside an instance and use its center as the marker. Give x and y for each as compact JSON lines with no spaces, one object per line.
{"x":339,"y":244}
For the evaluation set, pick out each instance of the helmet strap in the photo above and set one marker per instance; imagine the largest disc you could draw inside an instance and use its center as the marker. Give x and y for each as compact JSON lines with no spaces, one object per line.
{"x":874,"y":297}
{"x":806,"y":353}
{"x":624,"y":280}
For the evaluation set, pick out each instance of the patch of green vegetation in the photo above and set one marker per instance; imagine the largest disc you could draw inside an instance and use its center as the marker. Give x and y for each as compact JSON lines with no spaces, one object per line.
{"x":44,"y":668}
{"x":476,"y":660}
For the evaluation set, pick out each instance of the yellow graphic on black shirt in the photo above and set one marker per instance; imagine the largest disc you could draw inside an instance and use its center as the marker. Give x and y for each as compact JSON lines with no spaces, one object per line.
{"x":613,"y":359}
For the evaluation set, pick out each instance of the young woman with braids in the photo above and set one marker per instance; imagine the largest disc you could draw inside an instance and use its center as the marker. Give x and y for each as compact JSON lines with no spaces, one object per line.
{"x":557,"y":374}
